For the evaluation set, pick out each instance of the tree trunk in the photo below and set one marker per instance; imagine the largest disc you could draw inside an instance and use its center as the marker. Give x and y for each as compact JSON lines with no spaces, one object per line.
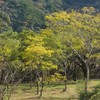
{"x":42,"y":85}
{"x":65,"y":85}
{"x":31,"y":81}
{"x":87,"y":79}
{"x":37,"y":82}
{"x":48,"y":74}
{"x":74,"y":76}
{"x":65,"y":77}
{"x":88,"y":72}
{"x":74,"y":73}
{"x":37,"y":87}
{"x":41,"y":91}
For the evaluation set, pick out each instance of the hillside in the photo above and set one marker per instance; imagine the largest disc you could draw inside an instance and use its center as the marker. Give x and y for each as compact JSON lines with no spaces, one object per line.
{"x":29,"y":14}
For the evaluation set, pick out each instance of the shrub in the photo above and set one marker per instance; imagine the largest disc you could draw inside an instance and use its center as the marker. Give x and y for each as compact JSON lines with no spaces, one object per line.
{"x":93,"y":95}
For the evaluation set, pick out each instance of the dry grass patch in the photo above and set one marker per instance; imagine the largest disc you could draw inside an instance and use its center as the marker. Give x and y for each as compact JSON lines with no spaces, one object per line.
{"x":53,"y":92}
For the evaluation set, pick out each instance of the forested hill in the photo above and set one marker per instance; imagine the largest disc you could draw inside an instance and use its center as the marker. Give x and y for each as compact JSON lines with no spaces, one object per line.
{"x":22,"y":14}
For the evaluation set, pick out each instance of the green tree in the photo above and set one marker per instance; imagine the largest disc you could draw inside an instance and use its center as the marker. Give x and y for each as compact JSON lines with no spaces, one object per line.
{"x":9,"y":50}
{"x":23,"y":14}
{"x":78,"y":33}
{"x":36,"y":55}
{"x":4,"y":22}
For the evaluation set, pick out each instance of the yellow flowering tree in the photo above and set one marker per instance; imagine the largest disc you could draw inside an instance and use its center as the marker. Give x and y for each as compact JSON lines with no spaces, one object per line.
{"x":79,"y":33}
{"x":38,"y":55}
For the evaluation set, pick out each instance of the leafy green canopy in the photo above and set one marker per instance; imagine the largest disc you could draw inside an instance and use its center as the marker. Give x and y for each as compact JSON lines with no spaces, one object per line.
{"x":29,"y":14}
{"x":76,"y":35}
{"x":23,"y":14}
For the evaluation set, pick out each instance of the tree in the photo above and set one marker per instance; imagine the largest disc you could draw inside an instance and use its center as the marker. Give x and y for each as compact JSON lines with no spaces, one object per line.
{"x":24,"y":43}
{"x":78,"y":34}
{"x":23,"y":14}
{"x":29,"y":14}
{"x":9,"y":63}
{"x":36,"y":56}
{"x":4,"y":22}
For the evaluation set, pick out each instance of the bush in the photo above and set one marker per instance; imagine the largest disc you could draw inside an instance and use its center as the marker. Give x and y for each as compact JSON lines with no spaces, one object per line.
{"x":93,"y":95}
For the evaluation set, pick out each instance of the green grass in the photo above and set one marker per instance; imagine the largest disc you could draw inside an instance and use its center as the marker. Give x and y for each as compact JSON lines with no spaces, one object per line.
{"x":53,"y":91}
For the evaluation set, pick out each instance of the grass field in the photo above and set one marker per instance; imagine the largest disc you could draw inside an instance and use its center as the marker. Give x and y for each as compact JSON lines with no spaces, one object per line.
{"x":52,"y":92}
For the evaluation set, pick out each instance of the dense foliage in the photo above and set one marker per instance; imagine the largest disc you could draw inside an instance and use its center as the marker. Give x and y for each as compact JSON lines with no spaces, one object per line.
{"x":29,"y":14}
{"x":40,"y":42}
